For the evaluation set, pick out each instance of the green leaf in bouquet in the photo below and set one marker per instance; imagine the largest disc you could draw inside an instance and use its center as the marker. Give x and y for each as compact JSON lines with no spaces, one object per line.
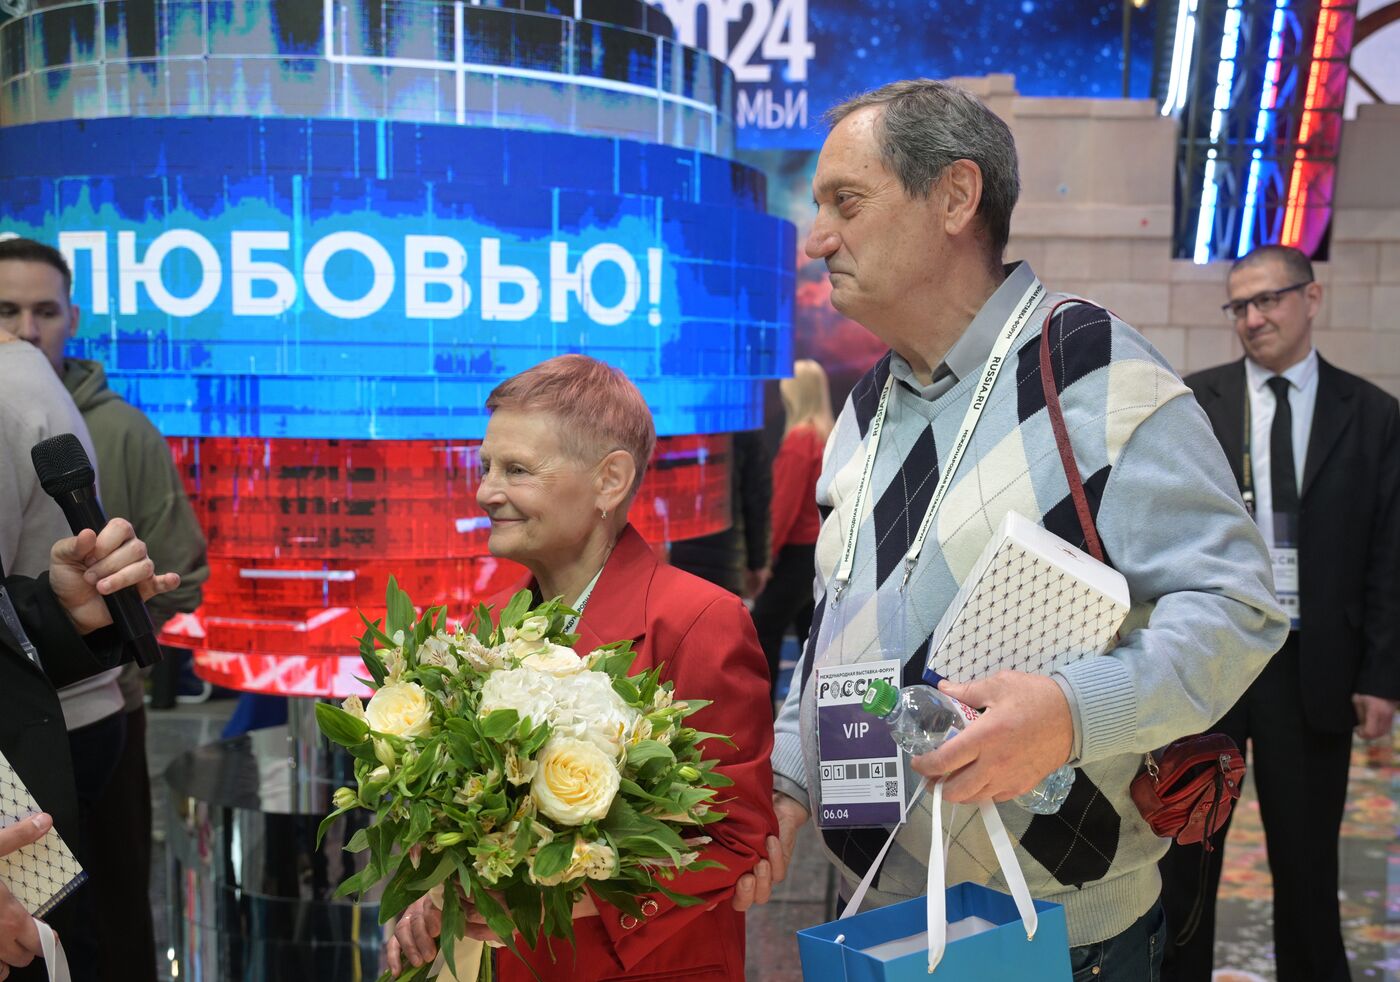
{"x":497,"y":917}
{"x":679,"y":899}
{"x":420,"y":817}
{"x":357,"y":883}
{"x":645,"y":751}
{"x":559,"y":909}
{"x":400,"y":614}
{"x":516,"y":610}
{"x":498,"y":724}
{"x":617,"y":659}
{"x":416,"y":771}
{"x":339,"y":726}
{"x":612,"y":892}
{"x":359,"y":842}
{"x":522,"y":899}
{"x":424,"y":627}
{"x":328,"y":821}
{"x":534,"y":740}
{"x":627,"y":689}
{"x":484,"y":630}
{"x":693,"y":738}
{"x":398,"y":894}
{"x":714,"y":778}
{"x":368,"y":654}
{"x":632,"y":789}
{"x":554,"y":858}
{"x":453,"y":920}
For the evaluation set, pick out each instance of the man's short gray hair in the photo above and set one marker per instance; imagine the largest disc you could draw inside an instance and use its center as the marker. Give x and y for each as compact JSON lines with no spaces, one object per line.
{"x":928,"y":124}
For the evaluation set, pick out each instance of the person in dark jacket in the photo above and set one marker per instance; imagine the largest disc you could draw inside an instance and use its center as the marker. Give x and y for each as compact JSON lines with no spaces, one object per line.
{"x":736,"y":558}
{"x":1316,"y":453}
{"x":55,"y":630}
{"x":137,"y":480}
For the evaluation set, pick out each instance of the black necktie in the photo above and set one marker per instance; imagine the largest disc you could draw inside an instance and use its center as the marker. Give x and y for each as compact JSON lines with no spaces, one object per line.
{"x":1282,"y":476}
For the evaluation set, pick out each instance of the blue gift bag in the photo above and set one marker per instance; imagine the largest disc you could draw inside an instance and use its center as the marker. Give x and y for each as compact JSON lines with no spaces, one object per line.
{"x":1016,"y":938}
{"x":997,"y":954}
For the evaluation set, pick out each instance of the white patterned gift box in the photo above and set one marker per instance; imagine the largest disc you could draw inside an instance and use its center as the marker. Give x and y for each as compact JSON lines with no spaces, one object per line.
{"x":43,"y":873}
{"x":1031,"y":603}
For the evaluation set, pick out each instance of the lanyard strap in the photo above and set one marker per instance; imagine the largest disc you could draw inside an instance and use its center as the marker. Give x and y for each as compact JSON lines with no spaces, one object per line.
{"x":1015,"y":324}
{"x":1247,"y":489}
{"x":571,"y":621}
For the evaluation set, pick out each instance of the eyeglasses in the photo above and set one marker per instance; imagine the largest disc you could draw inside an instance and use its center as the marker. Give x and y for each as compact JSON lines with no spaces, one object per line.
{"x":1263,"y":302}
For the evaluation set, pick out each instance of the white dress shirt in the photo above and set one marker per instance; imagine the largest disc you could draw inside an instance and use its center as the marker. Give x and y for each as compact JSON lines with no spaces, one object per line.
{"x":1302,"y":397}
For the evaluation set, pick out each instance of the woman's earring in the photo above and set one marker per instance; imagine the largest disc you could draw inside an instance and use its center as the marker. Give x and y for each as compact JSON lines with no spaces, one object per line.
{"x":605,"y":514}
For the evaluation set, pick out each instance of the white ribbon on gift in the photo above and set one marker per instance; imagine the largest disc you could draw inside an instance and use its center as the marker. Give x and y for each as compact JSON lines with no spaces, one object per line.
{"x":54,"y":958}
{"x":937,"y":872}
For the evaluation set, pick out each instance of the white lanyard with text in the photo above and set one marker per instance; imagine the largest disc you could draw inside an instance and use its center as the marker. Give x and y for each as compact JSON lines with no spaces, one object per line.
{"x":980,"y":396}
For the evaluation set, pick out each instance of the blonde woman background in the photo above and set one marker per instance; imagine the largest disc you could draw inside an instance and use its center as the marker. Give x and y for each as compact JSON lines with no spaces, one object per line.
{"x":786,"y":598}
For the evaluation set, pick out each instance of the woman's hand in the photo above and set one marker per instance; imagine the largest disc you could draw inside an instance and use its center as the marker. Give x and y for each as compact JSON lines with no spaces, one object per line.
{"x":415,"y":936}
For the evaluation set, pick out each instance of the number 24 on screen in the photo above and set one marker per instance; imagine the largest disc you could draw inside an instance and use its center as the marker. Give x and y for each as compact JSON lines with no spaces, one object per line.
{"x":758,"y":27}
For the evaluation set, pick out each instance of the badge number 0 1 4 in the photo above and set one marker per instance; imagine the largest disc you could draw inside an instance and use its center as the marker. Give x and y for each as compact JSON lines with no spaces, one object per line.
{"x":860,"y":777}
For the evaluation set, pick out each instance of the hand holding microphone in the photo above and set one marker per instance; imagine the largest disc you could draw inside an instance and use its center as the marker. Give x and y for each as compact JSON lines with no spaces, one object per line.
{"x":105,"y":563}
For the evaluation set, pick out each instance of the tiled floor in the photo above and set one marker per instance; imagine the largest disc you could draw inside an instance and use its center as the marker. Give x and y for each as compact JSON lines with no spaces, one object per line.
{"x":1370,"y":865}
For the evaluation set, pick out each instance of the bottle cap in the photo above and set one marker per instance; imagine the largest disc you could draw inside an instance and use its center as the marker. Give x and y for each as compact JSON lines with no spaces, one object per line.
{"x":880,"y":698}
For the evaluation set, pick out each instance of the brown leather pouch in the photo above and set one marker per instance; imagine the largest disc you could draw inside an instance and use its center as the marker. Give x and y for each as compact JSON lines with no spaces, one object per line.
{"x":1186,"y":792}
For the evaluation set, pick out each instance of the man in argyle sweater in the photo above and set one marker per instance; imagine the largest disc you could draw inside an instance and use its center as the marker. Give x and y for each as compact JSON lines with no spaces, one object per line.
{"x":914,"y":191}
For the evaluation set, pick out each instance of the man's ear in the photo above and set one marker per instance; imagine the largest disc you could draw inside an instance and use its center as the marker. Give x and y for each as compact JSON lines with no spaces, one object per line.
{"x":961,"y":186}
{"x":76,"y":314}
{"x":1312,"y":296}
{"x":616,"y":473}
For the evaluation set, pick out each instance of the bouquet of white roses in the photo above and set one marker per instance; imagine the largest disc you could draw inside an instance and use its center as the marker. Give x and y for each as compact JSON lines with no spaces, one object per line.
{"x":501,"y":765}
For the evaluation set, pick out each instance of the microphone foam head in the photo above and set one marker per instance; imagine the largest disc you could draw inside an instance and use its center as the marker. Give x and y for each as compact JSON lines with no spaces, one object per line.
{"x":62,"y":465}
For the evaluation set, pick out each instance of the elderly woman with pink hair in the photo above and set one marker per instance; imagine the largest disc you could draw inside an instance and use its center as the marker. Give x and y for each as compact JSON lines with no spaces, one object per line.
{"x":561,"y":462}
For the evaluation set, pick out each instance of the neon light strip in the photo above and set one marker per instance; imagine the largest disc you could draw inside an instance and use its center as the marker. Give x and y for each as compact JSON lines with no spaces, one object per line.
{"x":1224,"y":80}
{"x":328,"y":575}
{"x":1181,"y":57}
{"x":1268,"y":99}
{"x":1323,"y":43}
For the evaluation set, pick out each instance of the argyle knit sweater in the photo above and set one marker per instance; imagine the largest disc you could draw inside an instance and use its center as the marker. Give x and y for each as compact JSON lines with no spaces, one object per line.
{"x":1203,"y":622}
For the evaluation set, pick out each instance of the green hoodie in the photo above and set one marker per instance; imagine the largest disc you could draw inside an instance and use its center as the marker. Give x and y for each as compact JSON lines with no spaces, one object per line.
{"x":137,"y":481}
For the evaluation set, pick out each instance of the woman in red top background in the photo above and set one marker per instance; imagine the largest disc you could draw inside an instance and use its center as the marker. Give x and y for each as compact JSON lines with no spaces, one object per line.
{"x":786,"y":598}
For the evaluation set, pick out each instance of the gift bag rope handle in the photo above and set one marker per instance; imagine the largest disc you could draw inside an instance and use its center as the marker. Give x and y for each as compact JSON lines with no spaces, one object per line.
{"x":54,"y":959}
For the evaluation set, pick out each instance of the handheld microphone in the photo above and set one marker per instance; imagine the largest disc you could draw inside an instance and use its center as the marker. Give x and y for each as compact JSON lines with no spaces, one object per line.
{"x":66,"y":475}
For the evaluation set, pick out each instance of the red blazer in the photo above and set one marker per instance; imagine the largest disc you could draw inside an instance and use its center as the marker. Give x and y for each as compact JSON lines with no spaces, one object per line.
{"x":705,"y":638}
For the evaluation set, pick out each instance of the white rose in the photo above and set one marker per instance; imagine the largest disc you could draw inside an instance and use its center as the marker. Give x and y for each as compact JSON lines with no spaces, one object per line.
{"x":534,"y":628}
{"x":400,"y":710}
{"x":518,"y":649}
{"x":528,"y":692}
{"x":576,"y":782}
{"x":590,"y":709}
{"x":554,"y":659}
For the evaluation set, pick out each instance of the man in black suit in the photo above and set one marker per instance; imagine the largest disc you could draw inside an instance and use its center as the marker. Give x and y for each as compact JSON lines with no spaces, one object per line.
{"x":55,"y":630}
{"x":1317,"y":454}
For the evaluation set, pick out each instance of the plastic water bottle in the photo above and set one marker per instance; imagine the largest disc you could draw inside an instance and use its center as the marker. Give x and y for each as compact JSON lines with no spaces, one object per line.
{"x":921,"y":718}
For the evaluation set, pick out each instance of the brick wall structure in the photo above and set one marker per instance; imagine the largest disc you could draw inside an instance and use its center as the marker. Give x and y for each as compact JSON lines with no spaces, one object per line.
{"x":1095,"y":218}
